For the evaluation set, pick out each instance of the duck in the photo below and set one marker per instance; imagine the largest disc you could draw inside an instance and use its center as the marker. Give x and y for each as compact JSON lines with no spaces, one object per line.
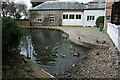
{"x":78,"y":38}
{"x":56,"y":55}
{"x":35,"y":54}
{"x":46,"y":48}
{"x":63,"y":55}
{"x":57,"y":43}
{"x":76,"y":54}
{"x":97,"y":41}
{"x":73,"y":65}
{"x":71,"y":46}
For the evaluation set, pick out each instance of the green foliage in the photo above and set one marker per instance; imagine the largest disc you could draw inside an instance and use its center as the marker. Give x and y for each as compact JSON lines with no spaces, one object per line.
{"x":11,"y":34}
{"x":33,"y":15}
{"x":99,"y":20}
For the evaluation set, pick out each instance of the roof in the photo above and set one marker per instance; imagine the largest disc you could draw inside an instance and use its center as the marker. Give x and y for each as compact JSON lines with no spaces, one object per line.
{"x":58,"y":5}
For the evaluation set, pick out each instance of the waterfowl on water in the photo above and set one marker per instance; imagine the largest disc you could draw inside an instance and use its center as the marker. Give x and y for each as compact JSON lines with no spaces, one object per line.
{"x":63,"y":55}
{"x":35,"y":54}
{"x":76,"y":54}
{"x":55,"y":55}
{"x":71,"y":46}
{"x":46,"y":48}
{"x":73,"y":65}
{"x":22,"y":43}
{"x":57,"y":43}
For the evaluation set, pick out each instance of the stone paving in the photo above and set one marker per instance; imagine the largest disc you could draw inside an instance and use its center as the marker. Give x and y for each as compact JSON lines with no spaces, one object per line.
{"x":86,"y":34}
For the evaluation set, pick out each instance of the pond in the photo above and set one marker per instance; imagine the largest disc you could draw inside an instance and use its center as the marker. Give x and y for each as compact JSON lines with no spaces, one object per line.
{"x":51,"y":50}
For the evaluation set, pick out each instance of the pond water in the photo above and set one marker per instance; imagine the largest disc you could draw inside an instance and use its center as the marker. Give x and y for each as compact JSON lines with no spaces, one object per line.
{"x":51,"y":50}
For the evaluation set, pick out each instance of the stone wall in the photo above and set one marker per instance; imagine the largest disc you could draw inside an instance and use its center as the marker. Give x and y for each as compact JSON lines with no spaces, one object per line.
{"x":45,"y":16}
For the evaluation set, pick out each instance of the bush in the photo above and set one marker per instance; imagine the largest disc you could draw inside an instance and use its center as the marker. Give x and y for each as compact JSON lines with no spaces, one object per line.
{"x":11,"y":34}
{"x":99,"y":20}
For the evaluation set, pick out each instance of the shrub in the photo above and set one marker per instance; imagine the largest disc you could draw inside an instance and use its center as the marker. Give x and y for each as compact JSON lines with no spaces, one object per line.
{"x":11,"y":34}
{"x":99,"y":20}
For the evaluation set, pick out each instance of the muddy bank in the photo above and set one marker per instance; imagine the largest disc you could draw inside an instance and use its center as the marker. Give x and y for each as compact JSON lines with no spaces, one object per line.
{"x":18,"y":66}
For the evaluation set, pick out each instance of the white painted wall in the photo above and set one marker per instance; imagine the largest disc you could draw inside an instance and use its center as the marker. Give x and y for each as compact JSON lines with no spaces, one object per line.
{"x":73,"y":22}
{"x":95,"y":13}
{"x":114,"y":33}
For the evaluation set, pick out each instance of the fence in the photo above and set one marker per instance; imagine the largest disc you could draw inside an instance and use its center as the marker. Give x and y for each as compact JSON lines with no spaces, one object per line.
{"x":114,"y":32}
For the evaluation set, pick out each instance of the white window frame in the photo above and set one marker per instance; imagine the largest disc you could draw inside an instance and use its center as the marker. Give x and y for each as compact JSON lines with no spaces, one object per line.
{"x":71,"y":15}
{"x":79,"y":16}
{"x":52,"y":18}
{"x":39,"y":20}
{"x":66,"y":16}
{"x":90,"y":18}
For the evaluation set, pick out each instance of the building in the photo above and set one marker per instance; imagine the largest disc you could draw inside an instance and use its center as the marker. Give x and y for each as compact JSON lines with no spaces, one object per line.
{"x":91,"y":15}
{"x":66,"y":14}
{"x":108,"y":8}
{"x":113,"y":27}
{"x":95,"y":4}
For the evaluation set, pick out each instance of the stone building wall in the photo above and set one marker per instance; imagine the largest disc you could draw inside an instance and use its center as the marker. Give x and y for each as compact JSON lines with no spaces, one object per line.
{"x":49,"y":18}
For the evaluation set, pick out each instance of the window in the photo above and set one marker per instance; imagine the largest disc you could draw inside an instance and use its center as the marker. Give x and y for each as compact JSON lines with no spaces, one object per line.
{"x":52,"y":18}
{"x":88,"y":17}
{"x":78,"y":16}
{"x":71,"y":16}
{"x":91,"y":18}
{"x":108,"y":17}
{"x":65,"y":16}
{"x":115,"y":18}
{"x":39,"y":20}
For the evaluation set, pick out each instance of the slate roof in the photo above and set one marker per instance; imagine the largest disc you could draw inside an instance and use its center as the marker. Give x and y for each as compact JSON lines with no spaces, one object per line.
{"x":58,"y":5}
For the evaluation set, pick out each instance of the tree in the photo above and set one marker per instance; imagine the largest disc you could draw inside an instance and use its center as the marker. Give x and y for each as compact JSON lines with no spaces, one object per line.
{"x":11,"y":34}
{"x":21,"y":9}
{"x":11,"y":9}
{"x":33,"y":15}
{"x":99,"y":20}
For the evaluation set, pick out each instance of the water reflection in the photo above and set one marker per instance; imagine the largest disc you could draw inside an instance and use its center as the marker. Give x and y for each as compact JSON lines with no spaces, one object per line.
{"x":52,"y":51}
